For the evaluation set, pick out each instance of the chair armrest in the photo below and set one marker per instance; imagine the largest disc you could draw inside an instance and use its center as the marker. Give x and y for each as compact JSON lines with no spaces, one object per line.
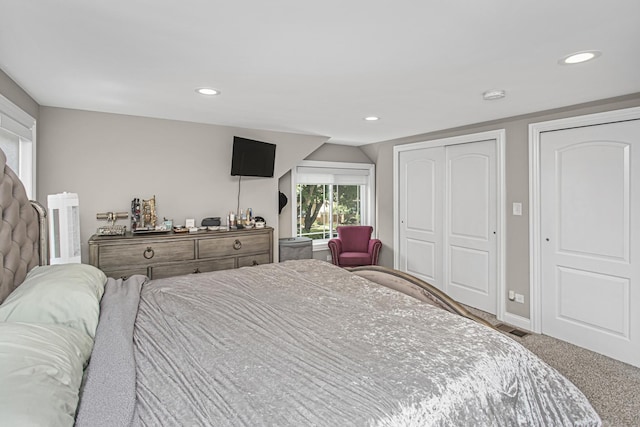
{"x":335,"y":246}
{"x":374,"y":250}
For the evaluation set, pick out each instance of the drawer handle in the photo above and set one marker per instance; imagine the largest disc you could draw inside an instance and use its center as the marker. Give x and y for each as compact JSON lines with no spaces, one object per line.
{"x":148,"y":253}
{"x":196,"y":271}
{"x":255,"y":262}
{"x":124,"y":277}
{"x":237,"y":244}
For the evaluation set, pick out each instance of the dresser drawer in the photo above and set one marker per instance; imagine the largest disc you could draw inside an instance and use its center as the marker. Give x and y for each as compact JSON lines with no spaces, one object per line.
{"x":233,"y":245}
{"x":124,"y":273}
{"x":246,"y":261}
{"x":171,"y":254}
{"x":169,"y":270}
{"x":145,"y":253}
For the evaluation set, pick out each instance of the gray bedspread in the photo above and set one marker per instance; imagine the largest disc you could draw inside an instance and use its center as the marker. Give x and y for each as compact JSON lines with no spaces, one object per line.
{"x":304,"y":343}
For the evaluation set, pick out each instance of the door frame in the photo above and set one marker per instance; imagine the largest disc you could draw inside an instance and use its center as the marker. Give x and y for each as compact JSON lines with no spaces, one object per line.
{"x":500,"y":137}
{"x":535,"y":237}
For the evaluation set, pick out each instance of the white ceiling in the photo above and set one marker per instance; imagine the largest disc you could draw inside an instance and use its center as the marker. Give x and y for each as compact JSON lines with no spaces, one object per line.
{"x":320,"y":68}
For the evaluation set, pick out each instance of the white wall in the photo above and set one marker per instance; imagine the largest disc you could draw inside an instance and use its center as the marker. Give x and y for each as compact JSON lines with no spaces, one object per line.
{"x":108,"y":159}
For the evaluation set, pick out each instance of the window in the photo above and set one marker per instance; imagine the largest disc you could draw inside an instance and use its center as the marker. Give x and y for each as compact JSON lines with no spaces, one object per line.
{"x":329,"y":194}
{"x":17,"y":137}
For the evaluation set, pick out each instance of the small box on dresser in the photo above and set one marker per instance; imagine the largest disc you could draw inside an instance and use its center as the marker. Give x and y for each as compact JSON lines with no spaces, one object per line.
{"x":173,"y":254}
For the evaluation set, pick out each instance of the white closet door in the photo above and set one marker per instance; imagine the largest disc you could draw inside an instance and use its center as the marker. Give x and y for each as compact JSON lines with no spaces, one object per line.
{"x":590,"y":228}
{"x":421,"y":198}
{"x":448,"y":215}
{"x":470,"y":224}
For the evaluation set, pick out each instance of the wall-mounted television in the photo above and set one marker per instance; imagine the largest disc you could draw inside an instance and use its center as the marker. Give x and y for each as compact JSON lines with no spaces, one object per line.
{"x":252,"y":158}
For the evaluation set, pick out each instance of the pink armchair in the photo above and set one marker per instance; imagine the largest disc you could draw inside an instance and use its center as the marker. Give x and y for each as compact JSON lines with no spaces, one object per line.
{"x":354,"y":246}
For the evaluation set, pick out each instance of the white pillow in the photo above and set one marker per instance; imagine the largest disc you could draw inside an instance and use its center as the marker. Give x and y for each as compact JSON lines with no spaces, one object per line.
{"x":65,"y":294}
{"x":40,"y":373}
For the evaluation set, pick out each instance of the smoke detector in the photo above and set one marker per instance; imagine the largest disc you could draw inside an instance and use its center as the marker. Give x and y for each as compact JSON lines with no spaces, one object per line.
{"x":490,"y":95}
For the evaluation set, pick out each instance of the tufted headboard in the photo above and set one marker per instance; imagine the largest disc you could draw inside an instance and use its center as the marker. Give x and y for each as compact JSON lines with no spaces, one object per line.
{"x":23,"y":231}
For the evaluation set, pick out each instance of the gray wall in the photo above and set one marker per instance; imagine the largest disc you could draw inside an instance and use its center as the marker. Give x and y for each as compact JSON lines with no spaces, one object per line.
{"x":339,"y":153}
{"x":517,"y":183}
{"x":327,"y":153}
{"x":108,"y":159}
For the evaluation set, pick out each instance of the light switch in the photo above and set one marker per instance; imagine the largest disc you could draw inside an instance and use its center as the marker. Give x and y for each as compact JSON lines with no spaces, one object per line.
{"x":517,"y":208}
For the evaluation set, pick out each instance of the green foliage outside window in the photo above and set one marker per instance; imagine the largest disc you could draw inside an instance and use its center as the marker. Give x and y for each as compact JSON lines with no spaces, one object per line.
{"x":323,"y":207}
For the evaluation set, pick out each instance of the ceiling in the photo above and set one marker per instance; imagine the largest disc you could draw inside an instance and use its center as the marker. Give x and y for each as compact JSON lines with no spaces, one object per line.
{"x":320,"y":68}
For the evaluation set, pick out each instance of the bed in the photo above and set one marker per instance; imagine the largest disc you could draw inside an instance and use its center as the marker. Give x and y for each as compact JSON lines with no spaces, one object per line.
{"x":295,"y":343}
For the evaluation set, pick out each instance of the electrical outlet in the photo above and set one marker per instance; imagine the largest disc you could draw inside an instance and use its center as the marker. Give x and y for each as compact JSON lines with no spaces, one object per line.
{"x":512,"y":295}
{"x":328,"y":257}
{"x":520,"y":298}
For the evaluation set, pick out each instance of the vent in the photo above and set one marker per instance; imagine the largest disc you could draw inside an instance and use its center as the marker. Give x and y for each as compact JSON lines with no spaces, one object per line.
{"x":511,"y":330}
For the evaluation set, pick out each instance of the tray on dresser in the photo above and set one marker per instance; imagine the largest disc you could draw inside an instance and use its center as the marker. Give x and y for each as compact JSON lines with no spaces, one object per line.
{"x":150,"y":231}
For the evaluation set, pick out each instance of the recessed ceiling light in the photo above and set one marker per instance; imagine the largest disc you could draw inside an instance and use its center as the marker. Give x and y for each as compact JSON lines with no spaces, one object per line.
{"x":578,"y":57}
{"x":490,"y":95}
{"x":372,"y":118}
{"x":207,"y":91}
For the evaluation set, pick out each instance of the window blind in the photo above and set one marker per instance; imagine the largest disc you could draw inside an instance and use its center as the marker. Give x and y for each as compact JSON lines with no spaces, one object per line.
{"x":14,"y":120}
{"x":336,"y":176}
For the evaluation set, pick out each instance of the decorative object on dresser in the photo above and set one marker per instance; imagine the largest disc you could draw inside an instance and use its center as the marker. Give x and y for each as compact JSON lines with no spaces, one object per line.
{"x":112,"y":229}
{"x":213,"y":221}
{"x":144,"y":218}
{"x":260,"y":222}
{"x":174,"y":254}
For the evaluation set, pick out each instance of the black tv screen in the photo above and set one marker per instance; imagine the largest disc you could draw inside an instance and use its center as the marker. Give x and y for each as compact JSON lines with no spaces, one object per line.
{"x":252,"y":158}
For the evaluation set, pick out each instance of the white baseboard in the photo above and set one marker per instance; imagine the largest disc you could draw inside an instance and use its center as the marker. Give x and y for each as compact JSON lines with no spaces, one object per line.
{"x":517,"y":321}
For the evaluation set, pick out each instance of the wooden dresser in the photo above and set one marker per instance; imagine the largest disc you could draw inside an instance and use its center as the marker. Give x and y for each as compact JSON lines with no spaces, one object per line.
{"x":173,"y":254}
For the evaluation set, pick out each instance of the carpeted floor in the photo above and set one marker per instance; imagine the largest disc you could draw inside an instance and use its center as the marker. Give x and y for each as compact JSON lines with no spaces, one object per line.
{"x":612,"y":387}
